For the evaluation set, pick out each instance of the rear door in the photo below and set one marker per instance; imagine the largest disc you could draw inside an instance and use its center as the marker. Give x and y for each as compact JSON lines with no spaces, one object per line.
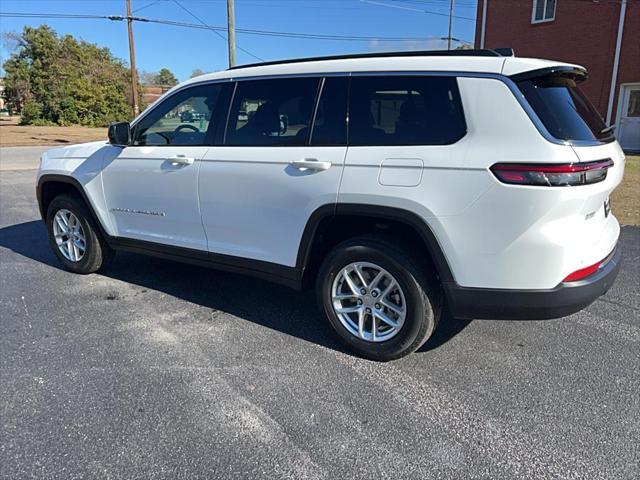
{"x":276,"y":167}
{"x":151,"y":186}
{"x":629,"y":130}
{"x":405,"y":144}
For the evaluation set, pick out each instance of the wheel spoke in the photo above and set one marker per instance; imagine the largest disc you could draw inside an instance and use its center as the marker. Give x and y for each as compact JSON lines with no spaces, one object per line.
{"x":390,"y":287}
{"x":345,"y":296}
{"x":68,"y":249}
{"x":386,"y":319}
{"x":358,"y":270}
{"x":61,"y":225}
{"x":361,"y":323}
{"x":348,"y":309}
{"x":350,"y":283}
{"x":374,"y":327}
{"x":396,"y":308}
{"x":376,"y":279}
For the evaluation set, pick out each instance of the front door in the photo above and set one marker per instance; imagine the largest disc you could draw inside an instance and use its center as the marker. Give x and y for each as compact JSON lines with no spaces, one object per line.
{"x":151,"y":186}
{"x":629,"y":126}
{"x":276,"y":166}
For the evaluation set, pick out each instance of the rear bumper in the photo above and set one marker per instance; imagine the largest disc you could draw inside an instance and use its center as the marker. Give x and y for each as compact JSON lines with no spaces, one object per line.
{"x":503,"y":304}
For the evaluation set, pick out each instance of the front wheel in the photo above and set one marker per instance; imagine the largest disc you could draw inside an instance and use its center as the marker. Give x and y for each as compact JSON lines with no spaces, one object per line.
{"x":74,"y":236}
{"x":379,"y":299}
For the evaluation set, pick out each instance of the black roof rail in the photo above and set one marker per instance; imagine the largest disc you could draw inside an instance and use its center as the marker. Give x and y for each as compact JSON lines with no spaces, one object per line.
{"x":497,"y":52}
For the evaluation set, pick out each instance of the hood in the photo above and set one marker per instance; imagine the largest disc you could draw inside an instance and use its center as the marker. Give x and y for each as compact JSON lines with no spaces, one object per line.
{"x":81,"y":150}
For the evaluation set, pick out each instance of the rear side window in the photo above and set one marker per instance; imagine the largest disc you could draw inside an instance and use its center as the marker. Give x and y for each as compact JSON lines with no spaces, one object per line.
{"x":563,"y":109}
{"x":272,"y":112}
{"x":411,"y":110}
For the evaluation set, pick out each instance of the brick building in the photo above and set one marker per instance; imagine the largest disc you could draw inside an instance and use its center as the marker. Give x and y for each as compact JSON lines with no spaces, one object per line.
{"x":601,"y":35}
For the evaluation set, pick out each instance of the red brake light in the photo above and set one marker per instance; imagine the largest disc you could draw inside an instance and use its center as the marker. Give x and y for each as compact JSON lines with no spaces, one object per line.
{"x":552,"y":175}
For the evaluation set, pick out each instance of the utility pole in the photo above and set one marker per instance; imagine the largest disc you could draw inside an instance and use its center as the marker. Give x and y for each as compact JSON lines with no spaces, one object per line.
{"x":450,"y":24}
{"x":132,"y":60}
{"x":231,"y":32}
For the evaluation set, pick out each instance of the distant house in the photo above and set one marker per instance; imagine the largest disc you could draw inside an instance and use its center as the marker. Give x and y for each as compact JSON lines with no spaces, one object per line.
{"x":150,"y":93}
{"x":601,"y":35}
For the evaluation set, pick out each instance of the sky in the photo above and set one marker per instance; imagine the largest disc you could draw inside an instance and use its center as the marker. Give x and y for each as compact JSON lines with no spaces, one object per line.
{"x":416,"y":24}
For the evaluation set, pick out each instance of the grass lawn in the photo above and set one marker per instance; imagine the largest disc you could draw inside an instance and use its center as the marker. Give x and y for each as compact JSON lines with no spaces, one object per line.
{"x":625,"y":200}
{"x":13,"y":134}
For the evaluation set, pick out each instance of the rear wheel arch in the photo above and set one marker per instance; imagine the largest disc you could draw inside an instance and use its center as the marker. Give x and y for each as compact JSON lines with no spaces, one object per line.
{"x":330,"y":225}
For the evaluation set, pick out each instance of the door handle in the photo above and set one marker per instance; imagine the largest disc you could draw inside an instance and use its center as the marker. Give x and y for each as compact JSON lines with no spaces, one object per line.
{"x":310,"y":164}
{"x":181,"y":160}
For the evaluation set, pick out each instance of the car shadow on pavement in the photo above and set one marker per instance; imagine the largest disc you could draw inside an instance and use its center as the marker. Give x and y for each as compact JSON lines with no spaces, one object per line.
{"x":264,"y":303}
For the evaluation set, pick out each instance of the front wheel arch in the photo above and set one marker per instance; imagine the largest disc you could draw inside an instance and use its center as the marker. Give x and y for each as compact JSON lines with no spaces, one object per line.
{"x":52,"y":185}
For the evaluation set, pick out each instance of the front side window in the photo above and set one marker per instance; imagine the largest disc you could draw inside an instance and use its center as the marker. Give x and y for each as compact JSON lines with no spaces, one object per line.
{"x":563,"y":109}
{"x":543,"y":11}
{"x":411,"y":110}
{"x":274,"y":112}
{"x":182,"y":119}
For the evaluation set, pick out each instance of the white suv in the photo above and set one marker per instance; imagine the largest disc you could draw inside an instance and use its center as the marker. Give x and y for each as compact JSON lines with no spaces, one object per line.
{"x":396,"y":183}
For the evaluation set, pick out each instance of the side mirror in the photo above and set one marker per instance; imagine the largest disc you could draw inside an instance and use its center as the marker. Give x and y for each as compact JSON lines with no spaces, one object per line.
{"x":120,"y":134}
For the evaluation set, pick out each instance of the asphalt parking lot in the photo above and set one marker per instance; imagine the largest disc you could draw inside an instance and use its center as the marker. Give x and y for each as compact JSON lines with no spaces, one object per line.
{"x":154,"y":369}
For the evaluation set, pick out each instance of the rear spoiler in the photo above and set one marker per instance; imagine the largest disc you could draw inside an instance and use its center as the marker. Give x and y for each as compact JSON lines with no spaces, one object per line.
{"x":574,"y":73}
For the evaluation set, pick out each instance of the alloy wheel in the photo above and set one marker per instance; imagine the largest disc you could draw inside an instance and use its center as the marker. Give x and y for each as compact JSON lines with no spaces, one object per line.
{"x":368,"y":301}
{"x":69,"y":235}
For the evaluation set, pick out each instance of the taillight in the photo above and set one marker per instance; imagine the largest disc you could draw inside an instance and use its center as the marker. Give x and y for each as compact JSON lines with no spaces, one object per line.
{"x":552,"y":175}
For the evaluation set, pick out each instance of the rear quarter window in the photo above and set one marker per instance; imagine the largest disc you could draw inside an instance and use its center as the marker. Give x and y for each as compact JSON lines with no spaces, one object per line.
{"x":405,"y":110}
{"x":564,"y":109}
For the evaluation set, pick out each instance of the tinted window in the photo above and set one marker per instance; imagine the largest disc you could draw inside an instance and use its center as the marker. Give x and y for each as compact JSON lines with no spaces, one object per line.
{"x":182,"y":119}
{"x":272,"y":112}
{"x":405,"y":111}
{"x":564,"y":109}
{"x":330,"y":124}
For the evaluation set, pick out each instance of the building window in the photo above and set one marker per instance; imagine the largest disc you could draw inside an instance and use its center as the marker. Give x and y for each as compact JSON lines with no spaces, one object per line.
{"x":543,"y":11}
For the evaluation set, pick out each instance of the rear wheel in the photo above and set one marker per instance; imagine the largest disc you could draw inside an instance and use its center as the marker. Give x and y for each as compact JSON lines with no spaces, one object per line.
{"x":378,"y":298}
{"x":74,"y":236}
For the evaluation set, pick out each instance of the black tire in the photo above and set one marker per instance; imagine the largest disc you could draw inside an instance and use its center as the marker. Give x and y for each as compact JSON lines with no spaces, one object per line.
{"x":419,"y":283}
{"x":97,"y":253}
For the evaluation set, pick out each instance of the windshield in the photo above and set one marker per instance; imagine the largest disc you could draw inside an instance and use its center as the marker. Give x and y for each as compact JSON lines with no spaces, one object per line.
{"x":563,"y":109}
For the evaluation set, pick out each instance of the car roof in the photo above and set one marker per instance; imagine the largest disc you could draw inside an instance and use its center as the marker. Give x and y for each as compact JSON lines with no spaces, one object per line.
{"x":477,"y":61}
{"x":469,"y":61}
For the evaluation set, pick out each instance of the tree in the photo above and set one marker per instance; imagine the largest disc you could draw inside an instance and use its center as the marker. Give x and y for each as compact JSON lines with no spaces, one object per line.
{"x":60,"y":80}
{"x":166,"y":77}
{"x":148,"y":78}
{"x":196,"y":73}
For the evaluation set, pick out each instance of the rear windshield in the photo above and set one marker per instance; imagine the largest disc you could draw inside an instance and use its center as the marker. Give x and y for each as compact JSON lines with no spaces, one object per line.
{"x":564,"y":109}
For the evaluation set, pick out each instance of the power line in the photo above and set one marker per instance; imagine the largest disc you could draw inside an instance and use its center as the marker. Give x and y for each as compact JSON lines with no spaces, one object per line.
{"x":208,"y":27}
{"x":246,"y":31}
{"x":413,"y":9}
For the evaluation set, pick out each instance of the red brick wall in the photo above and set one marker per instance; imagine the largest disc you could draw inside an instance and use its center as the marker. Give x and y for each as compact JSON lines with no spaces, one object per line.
{"x":629,"y":70}
{"x":583,"y":32}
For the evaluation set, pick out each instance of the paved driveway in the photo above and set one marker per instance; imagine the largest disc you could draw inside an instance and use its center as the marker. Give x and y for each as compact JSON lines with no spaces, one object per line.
{"x":160,"y":370}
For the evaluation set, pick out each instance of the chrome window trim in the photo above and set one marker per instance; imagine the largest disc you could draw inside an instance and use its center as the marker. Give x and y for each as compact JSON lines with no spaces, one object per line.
{"x":444,"y":73}
{"x":315,"y":110}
